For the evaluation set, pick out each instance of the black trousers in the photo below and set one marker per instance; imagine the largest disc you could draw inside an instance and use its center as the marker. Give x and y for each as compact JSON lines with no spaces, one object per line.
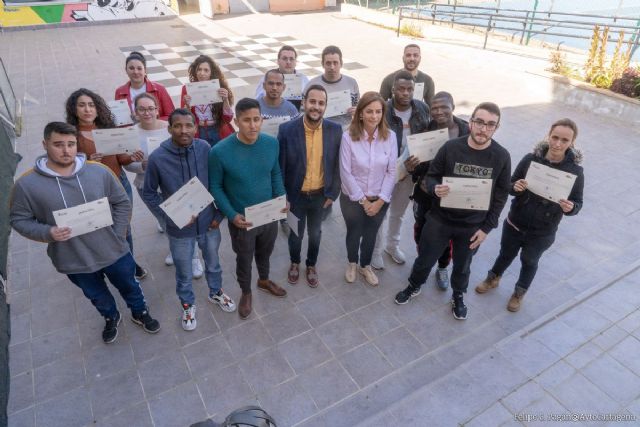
{"x":419,"y":214}
{"x":249,"y":244}
{"x":434,"y":240}
{"x":531,"y":248}
{"x":361,"y":230}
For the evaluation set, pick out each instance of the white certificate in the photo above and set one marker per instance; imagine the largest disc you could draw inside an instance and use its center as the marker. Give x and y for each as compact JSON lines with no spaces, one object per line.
{"x":550,"y":183}
{"x":121,"y":112}
{"x":270,"y":126}
{"x":467,"y":193}
{"x":153,"y":143}
{"x":418,"y":91}
{"x":401,"y":170}
{"x":204,"y":93}
{"x":85,"y":218}
{"x":191,"y":199}
{"x":337,"y":103}
{"x":293,"y":83}
{"x":116,"y":141}
{"x":425,"y":145}
{"x":293,"y":222}
{"x":266,"y":212}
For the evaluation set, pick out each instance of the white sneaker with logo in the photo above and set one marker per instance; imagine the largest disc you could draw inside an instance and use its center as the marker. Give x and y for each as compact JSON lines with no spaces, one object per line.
{"x":189,"y":317}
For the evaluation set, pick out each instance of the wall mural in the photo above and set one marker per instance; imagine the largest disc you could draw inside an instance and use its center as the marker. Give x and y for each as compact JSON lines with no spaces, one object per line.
{"x":18,"y":15}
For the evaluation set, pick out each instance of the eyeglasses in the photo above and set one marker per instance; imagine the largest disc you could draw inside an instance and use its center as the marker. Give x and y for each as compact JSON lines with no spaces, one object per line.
{"x":482,"y":124}
{"x":146,"y":110}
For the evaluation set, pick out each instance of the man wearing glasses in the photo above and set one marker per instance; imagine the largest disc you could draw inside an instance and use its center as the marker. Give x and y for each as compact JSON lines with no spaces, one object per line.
{"x":474,"y":156}
{"x":287,"y":60}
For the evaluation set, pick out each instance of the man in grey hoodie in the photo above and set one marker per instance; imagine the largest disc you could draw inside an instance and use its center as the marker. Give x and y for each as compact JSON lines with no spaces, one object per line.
{"x":62,"y":179}
{"x":172,"y":165}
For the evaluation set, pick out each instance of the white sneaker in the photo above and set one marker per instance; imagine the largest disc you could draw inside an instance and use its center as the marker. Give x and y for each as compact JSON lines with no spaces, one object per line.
{"x":377,"y":262}
{"x":159,"y":227}
{"x":196,"y":268}
{"x":169,"y":259}
{"x":350,"y":275}
{"x":369,"y":276}
{"x":223,"y":301}
{"x":189,"y":322}
{"x":396,"y":255}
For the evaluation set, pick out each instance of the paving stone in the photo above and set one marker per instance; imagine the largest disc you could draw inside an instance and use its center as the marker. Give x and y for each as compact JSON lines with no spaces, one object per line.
{"x":208,"y":355}
{"x":610,"y":337}
{"x":146,"y":346}
{"x":631,"y":322}
{"x":582,"y":356}
{"x":223,"y":389}
{"x":104,"y":361}
{"x":305,"y":351}
{"x":20,"y":328}
{"x":496,"y":414}
{"x":341,"y":335}
{"x":59,"y":377}
{"x":351,"y":296}
{"x":288,"y":403}
{"x":266,"y":369}
{"x":320,"y":309}
{"x":327,"y":384}
{"x":375,"y":319}
{"x":24,"y":418}
{"x":163,"y":373}
{"x":248,"y":338}
{"x":579,"y":395}
{"x":559,"y":337}
{"x":555,"y":375}
{"x":365,"y":364}
{"x":399,"y":347}
{"x":178,"y":407}
{"x":614,"y":379}
{"x":285,"y":324}
{"x":20,"y":358}
{"x":625,"y":353}
{"x":541,"y":408}
{"x":21,"y":395}
{"x":135,"y":416}
{"x":524,"y":396}
{"x":115,"y":393}
{"x":71,"y":409}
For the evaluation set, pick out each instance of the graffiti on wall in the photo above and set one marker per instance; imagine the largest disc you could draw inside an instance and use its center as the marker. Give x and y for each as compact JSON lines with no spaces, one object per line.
{"x":97,"y":10}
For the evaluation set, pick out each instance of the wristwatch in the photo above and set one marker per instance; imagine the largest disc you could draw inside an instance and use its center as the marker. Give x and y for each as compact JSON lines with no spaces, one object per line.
{"x":361,"y":201}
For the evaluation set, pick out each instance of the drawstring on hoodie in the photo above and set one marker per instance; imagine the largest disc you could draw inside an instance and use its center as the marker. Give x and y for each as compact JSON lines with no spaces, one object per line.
{"x":62,"y":194}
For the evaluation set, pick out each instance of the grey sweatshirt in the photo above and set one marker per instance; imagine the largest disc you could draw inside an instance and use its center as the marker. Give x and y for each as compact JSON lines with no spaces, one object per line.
{"x":40,"y":191}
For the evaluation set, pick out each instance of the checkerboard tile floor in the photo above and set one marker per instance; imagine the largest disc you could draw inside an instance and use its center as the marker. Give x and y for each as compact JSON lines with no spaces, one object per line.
{"x":243,"y":59}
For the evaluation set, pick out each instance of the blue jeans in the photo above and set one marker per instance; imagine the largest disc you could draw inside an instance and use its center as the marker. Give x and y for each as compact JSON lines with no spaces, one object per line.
{"x":182,"y":252}
{"x":309,"y":210}
{"x":120,"y":274}
{"x":209,"y":134}
{"x":127,"y":188}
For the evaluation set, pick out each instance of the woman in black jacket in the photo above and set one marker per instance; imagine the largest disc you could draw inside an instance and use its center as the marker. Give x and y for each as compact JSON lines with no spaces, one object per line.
{"x":530,"y":227}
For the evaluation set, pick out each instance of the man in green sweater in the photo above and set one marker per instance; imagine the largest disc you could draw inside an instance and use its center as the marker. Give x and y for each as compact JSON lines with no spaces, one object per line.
{"x":244,"y":171}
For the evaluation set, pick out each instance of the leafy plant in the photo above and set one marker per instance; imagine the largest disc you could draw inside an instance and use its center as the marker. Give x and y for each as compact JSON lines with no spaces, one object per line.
{"x":628,"y":83}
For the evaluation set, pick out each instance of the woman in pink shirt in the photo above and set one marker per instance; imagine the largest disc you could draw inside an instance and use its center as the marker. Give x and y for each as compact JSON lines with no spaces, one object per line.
{"x":368,"y":154}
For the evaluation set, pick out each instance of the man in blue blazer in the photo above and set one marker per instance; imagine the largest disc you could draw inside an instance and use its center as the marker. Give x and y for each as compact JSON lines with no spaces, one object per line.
{"x":309,"y":151}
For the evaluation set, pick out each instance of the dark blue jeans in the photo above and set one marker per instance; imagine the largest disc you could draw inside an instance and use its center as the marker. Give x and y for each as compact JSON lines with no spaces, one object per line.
{"x":434,"y":239}
{"x":531,"y":248}
{"x":120,"y":274}
{"x":209,"y":134}
{"x":309,"y":210}
{"x":361,"y":230}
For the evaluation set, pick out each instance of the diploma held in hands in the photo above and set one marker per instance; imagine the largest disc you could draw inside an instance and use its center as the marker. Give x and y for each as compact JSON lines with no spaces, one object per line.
{"x":266,"y":212}
{"x":191,"y":199}
{"x":294,"y":223}
{"x":85,"y":218}
{"x":121,"y":112}
{"x":270,"y":126}
{"x":116,"y":141}
{"x":153,"y":143}
{"x":425,"y":145}
{"x":204,"y":93}
{"x":552,"y":184}
{"x":337,"y":103}
{"x":293,"y":83}
{"x":467,"y":193}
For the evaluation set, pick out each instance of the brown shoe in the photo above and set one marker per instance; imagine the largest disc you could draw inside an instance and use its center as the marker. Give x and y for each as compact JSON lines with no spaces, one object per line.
{"x":516,"y":299}
{"x":272,"y":288}
{"x":294,"y":274}
{"x":244,"y":307}
{"x":312,"y":277}
{"x":490,"y":282}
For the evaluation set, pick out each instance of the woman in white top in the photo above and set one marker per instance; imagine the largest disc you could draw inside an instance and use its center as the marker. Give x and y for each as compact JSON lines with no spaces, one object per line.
{"x":152,"y":132}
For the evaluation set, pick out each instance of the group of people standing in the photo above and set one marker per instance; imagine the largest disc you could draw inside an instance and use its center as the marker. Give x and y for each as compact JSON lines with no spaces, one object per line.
{"x":359,"y":157}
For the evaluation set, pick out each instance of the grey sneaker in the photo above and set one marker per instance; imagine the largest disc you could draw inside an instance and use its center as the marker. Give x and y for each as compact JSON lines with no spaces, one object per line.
{"x":442,"y":279}
{"x":396,"y":255}
{"x":377,"y":263}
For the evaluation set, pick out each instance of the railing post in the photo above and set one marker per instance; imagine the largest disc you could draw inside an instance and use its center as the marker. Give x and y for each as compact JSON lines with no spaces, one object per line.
{"x":524,"y":26}
{"x":399,"y":19}
{"x":486,"y":34}
{"x":533,"y":17}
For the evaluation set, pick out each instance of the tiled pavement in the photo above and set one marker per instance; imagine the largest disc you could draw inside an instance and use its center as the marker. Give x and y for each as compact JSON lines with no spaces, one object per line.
{"x":339,"y":355}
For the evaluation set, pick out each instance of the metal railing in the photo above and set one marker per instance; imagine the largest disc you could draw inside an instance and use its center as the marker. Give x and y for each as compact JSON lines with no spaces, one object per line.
{"x":525,"y":24}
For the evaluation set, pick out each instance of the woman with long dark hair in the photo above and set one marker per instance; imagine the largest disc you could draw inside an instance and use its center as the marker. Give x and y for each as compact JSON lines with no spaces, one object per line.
{"x":136,"y":68}
{"x":368,"y":154}
{"x":87,"y":110}
{"x":213,"y":120}
{"x":532,"y":223}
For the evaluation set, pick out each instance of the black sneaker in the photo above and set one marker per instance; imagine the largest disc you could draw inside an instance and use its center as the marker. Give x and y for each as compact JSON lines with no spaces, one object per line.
{"x":148,"y":323}
{"x":140,"y":273}
{"x":110,"y":331}
{"x":458,"y":308}
{"x":406,"y":294}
